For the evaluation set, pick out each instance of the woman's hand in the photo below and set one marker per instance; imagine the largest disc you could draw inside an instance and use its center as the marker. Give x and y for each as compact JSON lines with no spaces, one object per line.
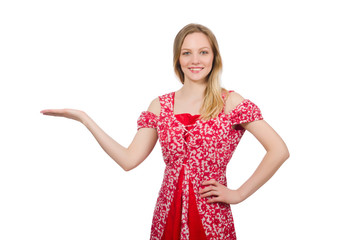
{"x":67,"y":113}
{"x":128,"y":158}
{"x":216,"y":192}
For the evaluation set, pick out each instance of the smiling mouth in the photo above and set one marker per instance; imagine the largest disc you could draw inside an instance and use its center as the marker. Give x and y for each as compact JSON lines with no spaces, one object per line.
{"x":196,"y":69}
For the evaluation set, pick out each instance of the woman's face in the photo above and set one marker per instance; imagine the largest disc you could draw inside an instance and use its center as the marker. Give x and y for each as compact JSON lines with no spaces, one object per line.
{"x":196,"y":57}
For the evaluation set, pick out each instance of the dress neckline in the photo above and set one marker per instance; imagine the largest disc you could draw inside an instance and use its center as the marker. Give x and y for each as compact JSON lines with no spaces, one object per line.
{"x":173,"y":104}
{"x":189,"y":114}
{"x":178,"y":116}
{"x":173,"y":107}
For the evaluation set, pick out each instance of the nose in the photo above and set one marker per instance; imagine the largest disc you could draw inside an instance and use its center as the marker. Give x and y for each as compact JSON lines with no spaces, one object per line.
{"x":195,"y":59}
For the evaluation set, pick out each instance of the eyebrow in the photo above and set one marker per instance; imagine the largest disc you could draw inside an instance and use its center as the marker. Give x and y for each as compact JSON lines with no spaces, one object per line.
{"x":191,"y":49}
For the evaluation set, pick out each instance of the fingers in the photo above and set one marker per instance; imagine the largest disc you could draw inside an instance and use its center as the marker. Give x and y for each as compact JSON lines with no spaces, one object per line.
{"x":214,"y":200}
{"x":208,"y":191}
{"x":210,"y":182}
{"x":68,"y":113}
{"x":211,"y":190}
{"x":52,"y":112}
{"x":209,"y":194}
{"x":215,"y":192}
{"x":212,"y":196}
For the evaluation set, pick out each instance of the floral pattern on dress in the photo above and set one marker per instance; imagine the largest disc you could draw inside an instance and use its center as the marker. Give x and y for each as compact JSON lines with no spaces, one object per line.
{"x":209,"y":147}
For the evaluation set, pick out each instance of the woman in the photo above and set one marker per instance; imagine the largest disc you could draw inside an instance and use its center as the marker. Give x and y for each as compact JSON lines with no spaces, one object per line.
{"x":199,"y":127}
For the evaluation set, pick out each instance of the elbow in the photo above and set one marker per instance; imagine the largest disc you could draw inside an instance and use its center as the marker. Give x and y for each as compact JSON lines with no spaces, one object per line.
{"x":129,"y":164}
{"x":285,"y":154}
{"x":127,"y":168}
{"x":280,"y":154}
{"x":125,"y":161}
{"x":124,"y":165}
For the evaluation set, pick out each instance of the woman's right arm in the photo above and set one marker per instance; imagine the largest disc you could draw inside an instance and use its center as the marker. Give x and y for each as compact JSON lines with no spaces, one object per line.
{"x":128,"y":158}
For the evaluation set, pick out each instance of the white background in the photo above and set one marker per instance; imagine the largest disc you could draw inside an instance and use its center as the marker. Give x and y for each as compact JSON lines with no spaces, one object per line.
{"x":299,"y":61}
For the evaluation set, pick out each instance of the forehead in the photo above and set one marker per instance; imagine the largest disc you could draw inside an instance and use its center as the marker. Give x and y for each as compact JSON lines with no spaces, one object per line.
{"x":196,"y":40}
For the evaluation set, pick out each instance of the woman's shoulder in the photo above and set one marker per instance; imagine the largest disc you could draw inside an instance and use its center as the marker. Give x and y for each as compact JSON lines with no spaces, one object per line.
{"x":155,"y":106}
{"x":233,"y":99}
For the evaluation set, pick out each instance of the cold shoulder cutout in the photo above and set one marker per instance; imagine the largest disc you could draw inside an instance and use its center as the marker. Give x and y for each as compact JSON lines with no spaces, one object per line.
{"x":155,"y":106}
{"x":231,"y":100}
{"x":147,"y":119}
{"x":245,"y":112}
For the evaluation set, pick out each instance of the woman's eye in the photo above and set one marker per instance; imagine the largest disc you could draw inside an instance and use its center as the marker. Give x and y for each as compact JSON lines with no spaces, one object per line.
{"x":186,"y":53}
{"x":204,"y":52}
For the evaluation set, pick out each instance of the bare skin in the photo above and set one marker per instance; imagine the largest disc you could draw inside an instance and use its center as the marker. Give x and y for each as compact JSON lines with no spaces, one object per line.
{"x":189,"y":100}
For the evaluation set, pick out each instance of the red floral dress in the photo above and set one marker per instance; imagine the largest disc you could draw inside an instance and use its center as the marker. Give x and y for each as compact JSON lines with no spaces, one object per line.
{"x":194,"y":151}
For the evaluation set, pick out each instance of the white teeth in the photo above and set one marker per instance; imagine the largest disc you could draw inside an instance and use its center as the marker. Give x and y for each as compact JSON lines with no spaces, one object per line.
{"x":195,"y":69}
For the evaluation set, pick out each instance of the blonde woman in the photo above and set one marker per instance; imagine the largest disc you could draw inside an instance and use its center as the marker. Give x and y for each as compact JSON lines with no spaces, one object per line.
{"x":198,"y":127}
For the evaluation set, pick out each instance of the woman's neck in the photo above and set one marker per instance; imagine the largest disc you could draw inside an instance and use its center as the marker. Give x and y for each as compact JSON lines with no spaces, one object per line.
{"x":192,"y":90}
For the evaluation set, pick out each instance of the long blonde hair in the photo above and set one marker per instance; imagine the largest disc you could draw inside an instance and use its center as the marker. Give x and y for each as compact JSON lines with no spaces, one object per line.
{"x":213,"y":102}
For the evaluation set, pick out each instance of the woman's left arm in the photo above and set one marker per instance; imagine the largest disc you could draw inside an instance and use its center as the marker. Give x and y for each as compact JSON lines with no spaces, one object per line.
{"x":276,"y":154}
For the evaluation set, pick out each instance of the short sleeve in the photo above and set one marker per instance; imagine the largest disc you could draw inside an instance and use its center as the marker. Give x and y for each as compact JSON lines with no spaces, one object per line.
{"x":147,"y":120}
{"x":245,"y":112}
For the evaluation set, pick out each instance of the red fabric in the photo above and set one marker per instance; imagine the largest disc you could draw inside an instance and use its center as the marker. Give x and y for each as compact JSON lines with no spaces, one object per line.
{"x":173,"y":224}
{"x":187,"y":118}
